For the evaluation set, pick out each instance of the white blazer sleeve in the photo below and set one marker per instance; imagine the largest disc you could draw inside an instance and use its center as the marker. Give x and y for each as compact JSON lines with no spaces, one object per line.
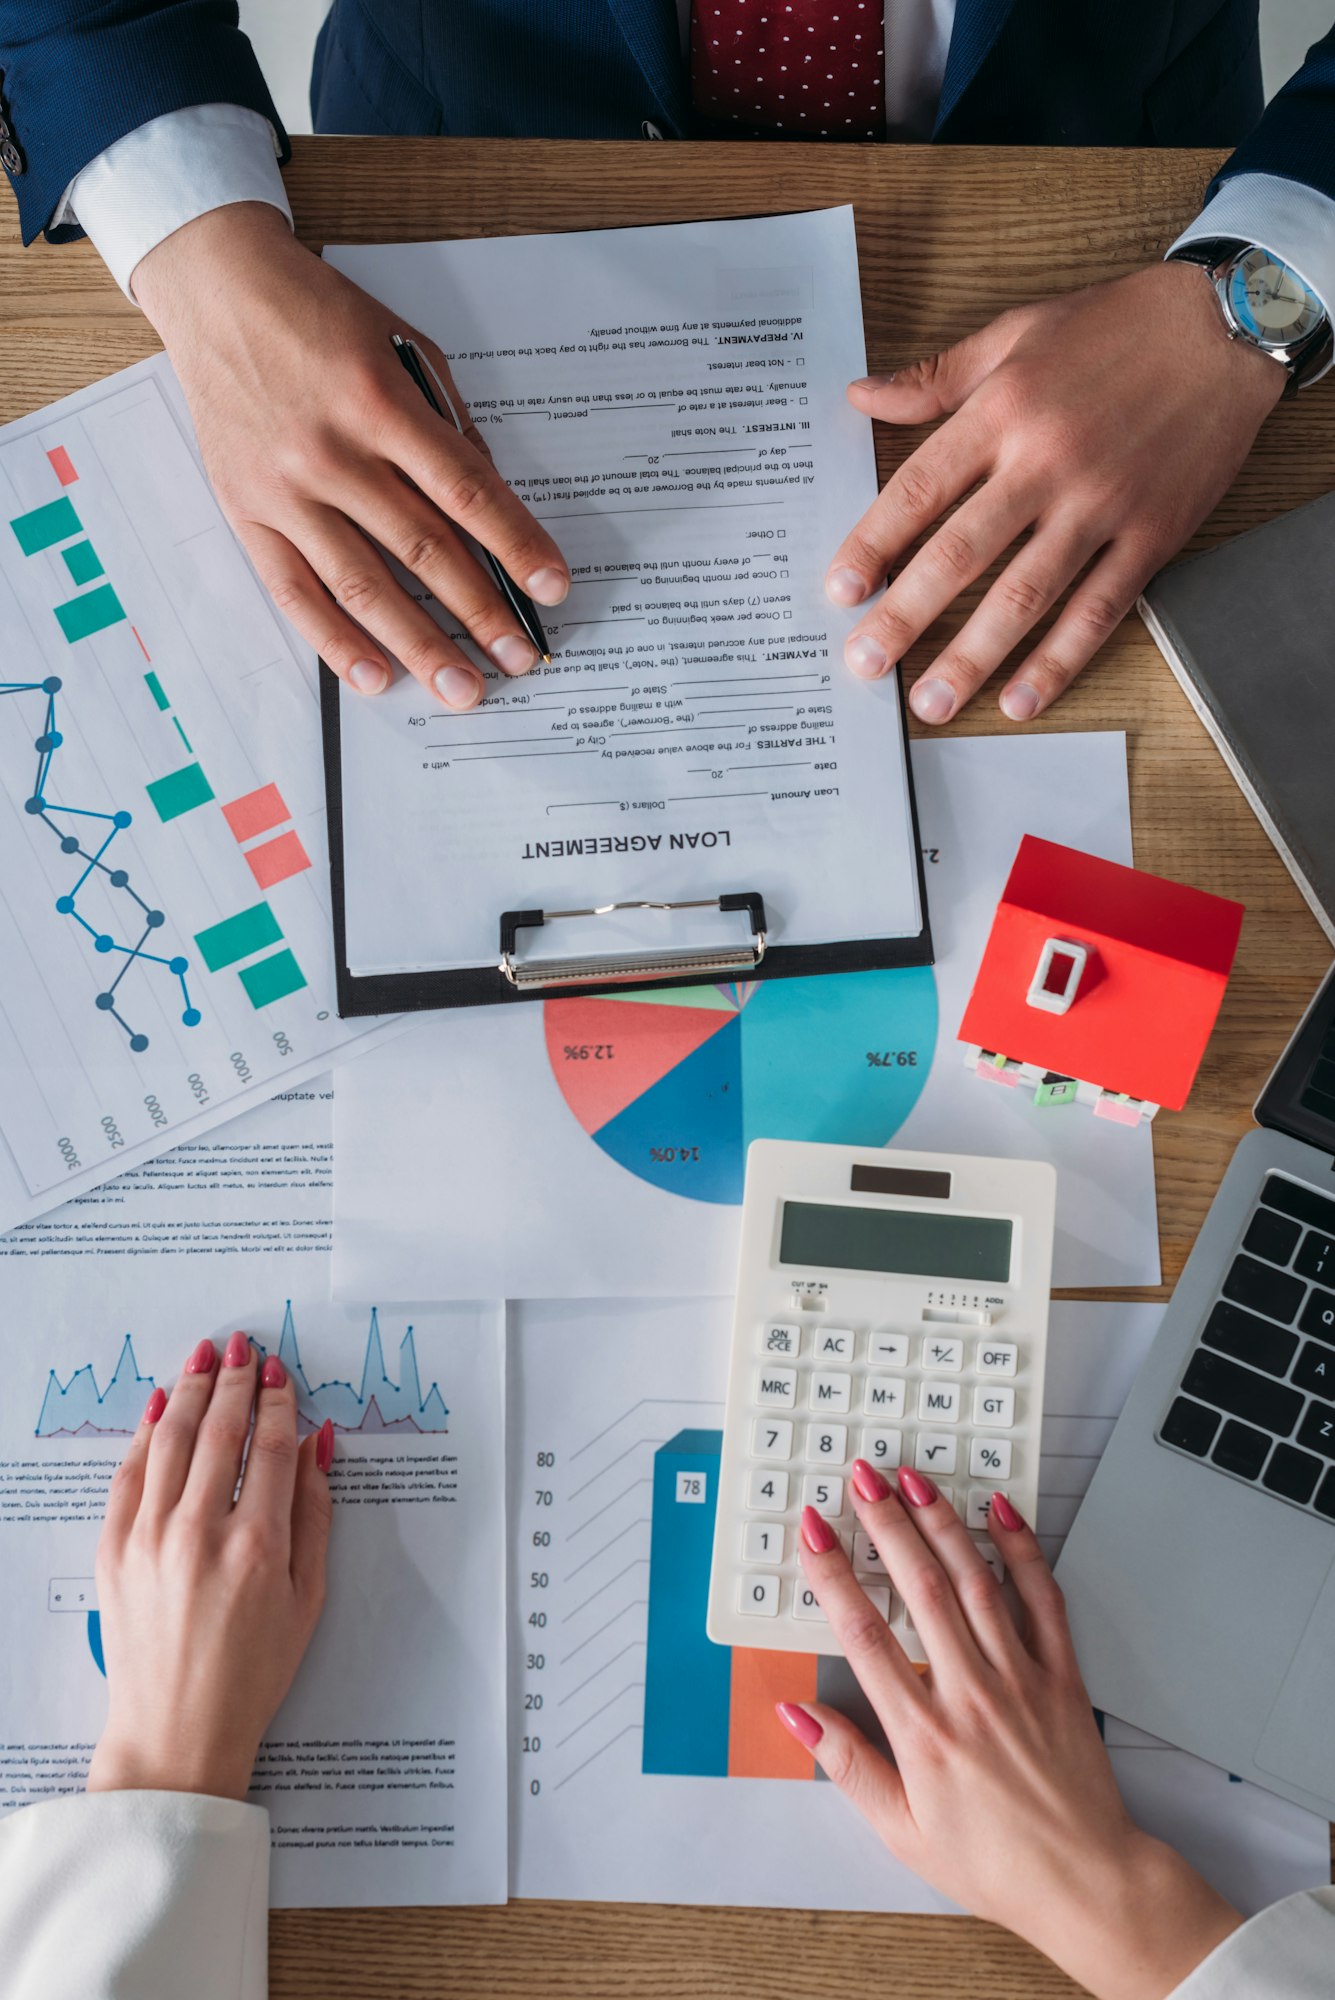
{"x":135,"y":1896}
{"x":1287,"y":1953}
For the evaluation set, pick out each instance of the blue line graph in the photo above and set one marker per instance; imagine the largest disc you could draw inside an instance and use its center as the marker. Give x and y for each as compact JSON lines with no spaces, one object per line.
{"x":78,"y":1408}
{"x":56,"y":816}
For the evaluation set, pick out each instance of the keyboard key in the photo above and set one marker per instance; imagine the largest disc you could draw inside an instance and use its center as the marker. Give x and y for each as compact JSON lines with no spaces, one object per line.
{"x":879,"y":1595}
{"x":780,"y":1337}
{"x":1315,"y":1368}
{"x":1274,"y":1237}
{"x":772,"y":1437}
{"x":866,"y":1556}
{"x":1317,"y":1429}
{"x":939,"y":1402}
{"x":1319,"y":1316}
{"x":1264,"y":1289}
{"x":882,"y":1448}
{"x":1241,"y":1392}
{"x":1292,"y":1474}
{"x":767,"y":1492}
{"x":888,"y":1350}
{"x":990,"y":1458}
{"x":1325,"y":1499}
{"x":830,"y":1394}
{"x":824,"y":1492}
{"x":992,"y":1557}
{"x":832,"y":1343}
{"x":1247,"y":1338}
{"x":1316,"y":1259}
{"x":776,"y":1388}
{"x":883,"y":1399}
{"x":978,"y":1507}
{"x":1291,"y":1198}
{"x":827,"y":1444}
{"x":935,"y":1453}
{"x":1241,"y":1449}
{"x":804,"y":1603}
{"x":994,"y":1408}
{"x":940,"y":1352}
{"x":997,"y":1358}
{"x":762,"y":1542}
{"x":758,"y":1596}
{"x":1189,"y":1426}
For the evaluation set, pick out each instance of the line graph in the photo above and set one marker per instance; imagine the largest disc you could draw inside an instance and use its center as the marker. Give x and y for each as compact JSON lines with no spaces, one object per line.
{"x":56,"y":816}
{"x":374,"y":1405}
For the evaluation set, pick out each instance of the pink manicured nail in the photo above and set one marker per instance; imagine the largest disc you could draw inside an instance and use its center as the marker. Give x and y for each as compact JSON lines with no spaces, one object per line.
{"x":273,"y":1375}
{"x":868,"y":1483}
{"x":237,"y":1351}
{"x":324,"y":1446}
{"x":1001,"y":1511}
{"x":157,"y":1403}
{"x":919,"y":1492}
{"x":817,"y":1533}
{"x":202,"y":1360}
{"x":804,"y":1727}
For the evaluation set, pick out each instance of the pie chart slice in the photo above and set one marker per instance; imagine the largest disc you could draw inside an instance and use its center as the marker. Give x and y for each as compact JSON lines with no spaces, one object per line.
{"x":674,"y":1085}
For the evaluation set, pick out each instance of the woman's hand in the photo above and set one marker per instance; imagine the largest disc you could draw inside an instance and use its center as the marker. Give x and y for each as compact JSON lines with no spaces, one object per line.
{"x":208,"y":1598}
{"x":1096,"y":432}
{"x":322,"y":453}
{"x":1001,"y":1794}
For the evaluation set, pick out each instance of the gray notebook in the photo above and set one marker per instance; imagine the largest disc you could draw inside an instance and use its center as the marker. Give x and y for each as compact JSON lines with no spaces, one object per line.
{"x":1249,"y":630}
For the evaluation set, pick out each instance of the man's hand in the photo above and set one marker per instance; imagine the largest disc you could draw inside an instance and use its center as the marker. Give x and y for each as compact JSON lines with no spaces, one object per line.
{"x":323,"y":453}
{"x":1097,"y":431}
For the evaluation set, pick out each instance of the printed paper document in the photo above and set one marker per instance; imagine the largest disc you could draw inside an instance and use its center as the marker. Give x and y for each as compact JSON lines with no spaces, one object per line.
{"x":674,"y":413}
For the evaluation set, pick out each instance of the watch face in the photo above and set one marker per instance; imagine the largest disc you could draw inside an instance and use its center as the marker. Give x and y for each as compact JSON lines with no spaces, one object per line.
{"x":1269,"y":301}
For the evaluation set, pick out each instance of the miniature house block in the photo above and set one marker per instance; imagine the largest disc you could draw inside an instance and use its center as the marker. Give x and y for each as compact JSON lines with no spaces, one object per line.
{"x":1104,"y":974}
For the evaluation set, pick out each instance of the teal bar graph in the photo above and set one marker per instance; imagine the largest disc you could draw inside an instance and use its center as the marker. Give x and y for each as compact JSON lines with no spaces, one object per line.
{"x":82,"y":561}
{"x":179,"y":792}
{"x":240,"y":936}
{"x":688,"y":1679}
{"x":42,"y":527}
{"x":92,"y":612}
{"x":272,"y":979}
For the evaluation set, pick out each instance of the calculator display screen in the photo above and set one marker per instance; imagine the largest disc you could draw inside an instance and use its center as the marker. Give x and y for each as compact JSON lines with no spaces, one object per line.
{"x":817,"y":1234}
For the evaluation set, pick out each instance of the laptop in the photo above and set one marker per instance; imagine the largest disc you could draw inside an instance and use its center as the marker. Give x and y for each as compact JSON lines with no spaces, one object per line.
{"x":1200,"y":1572}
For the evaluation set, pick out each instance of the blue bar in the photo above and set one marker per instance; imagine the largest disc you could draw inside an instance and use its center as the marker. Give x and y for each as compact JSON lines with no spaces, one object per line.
{"x":688,"y":1679}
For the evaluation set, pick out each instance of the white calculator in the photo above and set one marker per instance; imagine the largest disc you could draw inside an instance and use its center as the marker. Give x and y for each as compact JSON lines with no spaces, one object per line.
{"x":891,"y":1306}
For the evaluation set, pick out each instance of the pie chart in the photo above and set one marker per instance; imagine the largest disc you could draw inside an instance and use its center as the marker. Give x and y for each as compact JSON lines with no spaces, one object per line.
{"x":674,"y":1085}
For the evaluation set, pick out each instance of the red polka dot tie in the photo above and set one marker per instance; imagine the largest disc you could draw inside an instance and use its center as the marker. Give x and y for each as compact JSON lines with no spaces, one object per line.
{"x":791,"y":69}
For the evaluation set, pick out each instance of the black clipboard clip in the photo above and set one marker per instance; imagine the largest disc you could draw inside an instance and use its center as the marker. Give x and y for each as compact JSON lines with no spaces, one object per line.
{"x":697,"y":963}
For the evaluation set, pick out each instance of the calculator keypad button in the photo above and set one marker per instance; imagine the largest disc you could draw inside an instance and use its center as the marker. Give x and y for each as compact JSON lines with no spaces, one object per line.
{"x":978,"y":1508}
{"x":780,"y":1337}
{"x":831,"y":1393}
{"x":994,"y":1409}
{"x":833,"y":1343}
{"x":990,"y":1458}
{"x":776,"y":1388}
{"x":992,"y":1557}
{"x":866,"y":1556}
{"x":997,"y":1357}
{"x":888,"y":1350}
{"x":762,"y":1542}
{"x":804,"y":1603}
{"x":825,"y":1493}
{"x":827,"y":1444}
{"x":882,"y":1448}
{"x":883,"y":1399}
{"x":935,"y":1452}
{"x":758,"y":1596}
{"x":942,"y":1352}
{"x":772,"y":1437}
{"x":939,"y":1402}
{"x":879,"y":1596}
{"x":767,"y":1492}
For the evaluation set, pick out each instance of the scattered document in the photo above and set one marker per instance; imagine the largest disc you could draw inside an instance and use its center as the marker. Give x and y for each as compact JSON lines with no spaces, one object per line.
{"x":639,"y":1771}
{"x":595,"y":1147}
{"x":384,"y":1772}
{"x":164,"y":909}
{"x":675,"y":415}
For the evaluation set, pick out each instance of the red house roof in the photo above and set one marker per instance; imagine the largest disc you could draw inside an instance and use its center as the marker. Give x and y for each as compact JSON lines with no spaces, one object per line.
{"x":1159,"y":960}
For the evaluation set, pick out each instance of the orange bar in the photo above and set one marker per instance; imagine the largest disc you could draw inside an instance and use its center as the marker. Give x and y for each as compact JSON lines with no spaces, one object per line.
{"x":257,"y":812}
{"x":274,"y":860}
{"x":62,"y":465}
{"x":758,"y":1744}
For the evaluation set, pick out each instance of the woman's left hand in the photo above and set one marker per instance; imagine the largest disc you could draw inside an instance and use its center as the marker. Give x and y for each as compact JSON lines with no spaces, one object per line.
{"x":1001,"y":1794}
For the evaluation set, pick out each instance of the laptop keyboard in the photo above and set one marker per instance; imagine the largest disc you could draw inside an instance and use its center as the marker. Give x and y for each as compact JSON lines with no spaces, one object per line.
{"x":1257,"y":1396}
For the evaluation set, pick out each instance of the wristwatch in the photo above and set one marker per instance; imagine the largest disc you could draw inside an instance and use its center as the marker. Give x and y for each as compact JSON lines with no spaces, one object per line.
{"x":1266,"y":303}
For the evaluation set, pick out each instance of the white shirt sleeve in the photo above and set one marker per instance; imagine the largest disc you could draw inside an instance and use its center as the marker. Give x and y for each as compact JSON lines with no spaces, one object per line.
{"x":1287,"y":1953}
{"x":1288,"y":217}
{"x":123,"y":1895}
{"x":165,"y":173}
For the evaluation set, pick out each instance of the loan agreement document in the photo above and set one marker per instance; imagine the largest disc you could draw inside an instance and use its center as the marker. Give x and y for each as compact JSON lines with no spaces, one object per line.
{"x":670,"y":403}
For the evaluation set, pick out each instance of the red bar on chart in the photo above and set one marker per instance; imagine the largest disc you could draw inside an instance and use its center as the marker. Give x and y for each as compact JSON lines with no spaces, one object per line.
{"x":256,"y":812}
{"x":62,"y":465}
{"x":274,"y":860}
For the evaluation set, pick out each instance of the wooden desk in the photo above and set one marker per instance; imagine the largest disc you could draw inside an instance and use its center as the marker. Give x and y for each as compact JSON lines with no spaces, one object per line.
{"x":948,"y":238}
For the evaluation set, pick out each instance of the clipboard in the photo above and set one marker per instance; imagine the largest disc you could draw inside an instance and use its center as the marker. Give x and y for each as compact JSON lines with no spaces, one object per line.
{"x":743,"y":951}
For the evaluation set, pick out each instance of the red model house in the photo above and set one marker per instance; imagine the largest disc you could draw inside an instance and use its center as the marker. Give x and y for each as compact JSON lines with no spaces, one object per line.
{"x":1099,"y":983}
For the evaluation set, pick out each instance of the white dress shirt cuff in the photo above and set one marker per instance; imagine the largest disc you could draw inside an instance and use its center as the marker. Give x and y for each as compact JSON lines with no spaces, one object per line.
{"x":165,"y":173}
{"x":1288,"y":217}
{"x":1287,"y":1953}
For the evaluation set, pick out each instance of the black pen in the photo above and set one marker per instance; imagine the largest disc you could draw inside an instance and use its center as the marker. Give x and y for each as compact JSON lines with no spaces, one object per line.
{"x":521,"y":605}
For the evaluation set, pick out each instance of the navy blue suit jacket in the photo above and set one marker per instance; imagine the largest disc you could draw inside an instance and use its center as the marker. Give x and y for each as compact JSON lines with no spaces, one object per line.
{"x":78,"y":74}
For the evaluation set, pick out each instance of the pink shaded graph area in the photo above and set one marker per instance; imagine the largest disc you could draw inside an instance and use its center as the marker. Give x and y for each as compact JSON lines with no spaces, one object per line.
{"x":256,"y":812}
{"x":274,"y":860}
{"x":62,"y":465}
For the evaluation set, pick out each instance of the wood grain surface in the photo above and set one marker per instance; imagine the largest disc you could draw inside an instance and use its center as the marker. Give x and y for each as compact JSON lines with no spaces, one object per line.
{"x":948,"y":237}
